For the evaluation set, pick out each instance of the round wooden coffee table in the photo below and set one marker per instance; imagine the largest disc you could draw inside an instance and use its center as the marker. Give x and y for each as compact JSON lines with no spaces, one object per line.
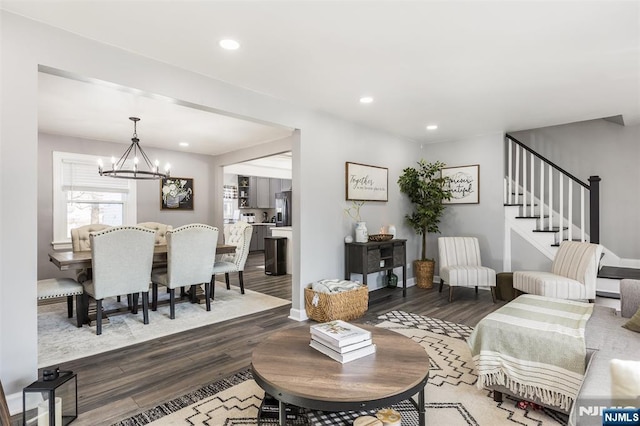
{"x":287,"y":368}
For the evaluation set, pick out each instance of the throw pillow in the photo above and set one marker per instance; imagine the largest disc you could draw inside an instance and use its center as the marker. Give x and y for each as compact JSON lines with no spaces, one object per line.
{"x":625,"y":378}
{"x":634,"y":323}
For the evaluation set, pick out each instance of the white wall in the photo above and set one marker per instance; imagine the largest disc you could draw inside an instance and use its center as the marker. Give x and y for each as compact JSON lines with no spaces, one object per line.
{"x":608,"y":150}
{"x":319,"y":151}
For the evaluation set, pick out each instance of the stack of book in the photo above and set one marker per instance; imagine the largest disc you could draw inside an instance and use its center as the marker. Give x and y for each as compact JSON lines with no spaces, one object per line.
{"x":341,"y":341}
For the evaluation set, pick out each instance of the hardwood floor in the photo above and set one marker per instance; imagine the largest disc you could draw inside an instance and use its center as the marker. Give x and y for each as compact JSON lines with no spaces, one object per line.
{"x":117,"y":384}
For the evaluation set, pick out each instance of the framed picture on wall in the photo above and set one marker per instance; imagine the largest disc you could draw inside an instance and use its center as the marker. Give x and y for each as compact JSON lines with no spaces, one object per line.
{"x":176,"y":193}
{"x":366,"y":183}
{"x":464,"y":184}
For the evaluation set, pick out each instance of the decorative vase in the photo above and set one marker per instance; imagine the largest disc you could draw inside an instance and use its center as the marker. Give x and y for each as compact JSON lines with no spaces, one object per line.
{"x":362,"y":235}
{"x":423,"y":270}
{"x":391,"y":229}
{"x":173,"y":202}
{"x":392,"y":280}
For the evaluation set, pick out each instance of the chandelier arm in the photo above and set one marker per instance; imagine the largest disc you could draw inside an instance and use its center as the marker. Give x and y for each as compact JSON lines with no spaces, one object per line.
{"x":146,"y":159}
{"x":121,"y":162}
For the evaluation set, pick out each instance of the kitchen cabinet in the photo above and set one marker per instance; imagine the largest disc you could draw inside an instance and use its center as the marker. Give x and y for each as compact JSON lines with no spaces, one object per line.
{"x":244,"y":189}
{"x":274,"y":187}
{"x":262,"y":192}
{"x":285,"y":184}
{"x":257,"y":237}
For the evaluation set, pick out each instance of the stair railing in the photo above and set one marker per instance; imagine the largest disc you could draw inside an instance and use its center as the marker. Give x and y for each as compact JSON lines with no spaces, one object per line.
{"x":525,"y":167}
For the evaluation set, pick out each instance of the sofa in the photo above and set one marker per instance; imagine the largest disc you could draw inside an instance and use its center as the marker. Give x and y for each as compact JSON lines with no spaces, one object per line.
{"x":605,"y":339}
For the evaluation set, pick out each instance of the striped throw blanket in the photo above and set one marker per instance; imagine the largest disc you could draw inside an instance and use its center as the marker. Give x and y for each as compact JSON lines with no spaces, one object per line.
{"x":535,"y":347}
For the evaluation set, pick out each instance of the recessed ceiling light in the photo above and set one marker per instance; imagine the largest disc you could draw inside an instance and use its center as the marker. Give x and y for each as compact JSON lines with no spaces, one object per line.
{"x":366,"y":100}
{"x":184,"y":144}
{"x":229,"y":44}
{"x":432,"y":127}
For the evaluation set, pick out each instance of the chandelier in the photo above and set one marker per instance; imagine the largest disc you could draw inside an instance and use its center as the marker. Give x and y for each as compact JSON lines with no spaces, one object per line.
{"x":148,"y":170}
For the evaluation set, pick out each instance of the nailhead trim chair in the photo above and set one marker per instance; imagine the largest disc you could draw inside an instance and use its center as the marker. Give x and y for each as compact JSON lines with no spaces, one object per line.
{"x":573,"y":273}
{"x":191,"y":250}
{"x":461,"y":266}
{"x":63,"y":287}
{"x":161,"y":231}
{"x":121,"y":261}
{"x":80,"y":242}
{"x":239,"y":234}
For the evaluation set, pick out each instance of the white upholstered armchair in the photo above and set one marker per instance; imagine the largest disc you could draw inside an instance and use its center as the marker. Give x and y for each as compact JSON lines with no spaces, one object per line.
{"x":573,"y":273}
{"x":121,"y":258}
{"x":80,"y":242}
{"x":461,"y":266}
{"x":190,"y":253}
{"x":239,"y":235}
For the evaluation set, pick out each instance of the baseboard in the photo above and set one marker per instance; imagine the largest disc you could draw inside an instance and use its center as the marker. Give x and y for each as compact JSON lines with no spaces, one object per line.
{"x":298,"y":314}
{"x":14,"y":402}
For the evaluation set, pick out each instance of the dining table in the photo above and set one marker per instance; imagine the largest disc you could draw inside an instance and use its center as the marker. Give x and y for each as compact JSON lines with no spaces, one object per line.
{"x":67,"y":260}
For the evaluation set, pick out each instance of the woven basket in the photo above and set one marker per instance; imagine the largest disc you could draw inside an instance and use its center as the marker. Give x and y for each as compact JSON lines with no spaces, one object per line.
{"x":345,"y":306}
{"x":424,"y":273}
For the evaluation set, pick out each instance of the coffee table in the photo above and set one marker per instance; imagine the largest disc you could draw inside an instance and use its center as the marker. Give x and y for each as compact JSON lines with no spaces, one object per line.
{"x":287,"y":368}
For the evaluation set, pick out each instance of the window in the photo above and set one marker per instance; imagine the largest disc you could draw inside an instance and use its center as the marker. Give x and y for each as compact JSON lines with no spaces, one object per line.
{"x":82,"y":197}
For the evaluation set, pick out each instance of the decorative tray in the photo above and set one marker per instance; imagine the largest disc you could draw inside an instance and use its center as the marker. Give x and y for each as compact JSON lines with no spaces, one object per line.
{"x":380,"y":237}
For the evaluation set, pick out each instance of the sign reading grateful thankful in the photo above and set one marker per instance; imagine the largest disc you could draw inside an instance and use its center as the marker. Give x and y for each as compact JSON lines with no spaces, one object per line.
{"x":366,"y":183}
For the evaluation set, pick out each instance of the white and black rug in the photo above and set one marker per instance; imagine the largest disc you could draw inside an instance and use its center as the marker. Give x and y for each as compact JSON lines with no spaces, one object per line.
{"x":451,"y":394}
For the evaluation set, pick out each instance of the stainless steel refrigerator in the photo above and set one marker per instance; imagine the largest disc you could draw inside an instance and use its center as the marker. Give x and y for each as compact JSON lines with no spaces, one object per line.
{"x":283,"y":208}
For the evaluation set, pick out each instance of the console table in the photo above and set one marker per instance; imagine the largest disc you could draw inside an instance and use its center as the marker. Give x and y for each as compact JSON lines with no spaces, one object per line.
{"x":376,"y":256}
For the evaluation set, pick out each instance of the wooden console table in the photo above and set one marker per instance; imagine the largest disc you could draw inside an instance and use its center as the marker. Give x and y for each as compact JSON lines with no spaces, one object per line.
{"x":376,"y":256}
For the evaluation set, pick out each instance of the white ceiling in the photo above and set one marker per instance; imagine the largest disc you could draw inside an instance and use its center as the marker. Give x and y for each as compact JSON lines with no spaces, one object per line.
{"x":472,"y":67}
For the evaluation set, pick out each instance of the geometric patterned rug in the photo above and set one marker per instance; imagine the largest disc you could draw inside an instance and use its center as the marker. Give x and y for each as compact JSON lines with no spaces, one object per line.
{"x":452,"y":397}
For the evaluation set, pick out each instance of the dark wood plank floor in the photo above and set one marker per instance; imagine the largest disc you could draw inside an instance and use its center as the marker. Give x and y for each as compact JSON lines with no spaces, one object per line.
{"x":121,"y":383}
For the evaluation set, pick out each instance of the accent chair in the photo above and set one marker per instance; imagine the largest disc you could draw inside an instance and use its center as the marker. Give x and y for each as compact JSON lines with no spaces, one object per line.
{"x":161,"y":231}
{"x":461,"y":266}
{"x":573,"y":275}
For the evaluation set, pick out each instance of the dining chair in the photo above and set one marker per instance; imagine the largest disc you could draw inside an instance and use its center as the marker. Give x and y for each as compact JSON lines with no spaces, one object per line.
{"x":161,"y":230}
{"x":121,"y":259}
{"x":239,"y":235}
{"x":573,"y":275}
{"x":190,"y":253}
{"x":461,"y":266}
{"x":80,"y":242}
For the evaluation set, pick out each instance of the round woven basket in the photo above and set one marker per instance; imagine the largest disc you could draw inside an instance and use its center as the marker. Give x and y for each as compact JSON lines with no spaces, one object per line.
{"x":424,"y":273}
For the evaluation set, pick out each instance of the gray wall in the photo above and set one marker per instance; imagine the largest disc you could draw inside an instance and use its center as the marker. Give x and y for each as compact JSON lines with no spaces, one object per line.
{"x":611,"y":151}
{"x":148,"y":192}
{"x":486,"y":219}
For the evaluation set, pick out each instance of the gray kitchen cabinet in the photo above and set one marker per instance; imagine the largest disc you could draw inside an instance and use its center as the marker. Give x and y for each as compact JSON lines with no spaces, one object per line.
{"x":257,"y":237}
{"x":274,"y":187}
{"x":285,"y":184}
{"x":263,"y":192}
{"x":253,"y":194}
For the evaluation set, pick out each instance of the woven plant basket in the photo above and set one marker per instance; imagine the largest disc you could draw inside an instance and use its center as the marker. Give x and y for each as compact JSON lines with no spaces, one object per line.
{"x":424,"y":273}
{"x":347,"y":305}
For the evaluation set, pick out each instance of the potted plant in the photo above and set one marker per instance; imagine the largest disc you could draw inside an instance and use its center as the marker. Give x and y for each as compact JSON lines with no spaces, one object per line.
{"x":426,"y":190}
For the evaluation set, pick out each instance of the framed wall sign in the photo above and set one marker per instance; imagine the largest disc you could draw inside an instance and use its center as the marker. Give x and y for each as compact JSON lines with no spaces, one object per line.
{"x":176,"y":193}
{"x":464,"y":184}
{"x":366,"y":183}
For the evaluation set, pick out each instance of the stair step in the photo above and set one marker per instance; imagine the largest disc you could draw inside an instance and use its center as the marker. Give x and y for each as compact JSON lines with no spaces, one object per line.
{"x":531,"y":217}
{"x":553,"y":229}
{"x":618,"y":273}
{"x":558,"y":244}
{"x":518,"y":205}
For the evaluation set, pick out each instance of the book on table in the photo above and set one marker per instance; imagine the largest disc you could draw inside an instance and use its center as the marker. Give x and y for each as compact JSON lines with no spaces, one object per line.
{"x":339,"y":333}
{"x":343,"y":357}
{"x":342,"y":349}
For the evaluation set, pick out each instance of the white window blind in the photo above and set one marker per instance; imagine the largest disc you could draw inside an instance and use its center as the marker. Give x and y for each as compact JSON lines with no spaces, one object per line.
{"x":78,"y":175}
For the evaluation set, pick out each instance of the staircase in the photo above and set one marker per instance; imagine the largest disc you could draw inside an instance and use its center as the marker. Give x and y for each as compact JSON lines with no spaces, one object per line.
{"x":546,"y":205}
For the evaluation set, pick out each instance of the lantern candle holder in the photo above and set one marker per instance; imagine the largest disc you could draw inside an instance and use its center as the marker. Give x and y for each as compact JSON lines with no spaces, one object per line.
{"x":53,"y":401}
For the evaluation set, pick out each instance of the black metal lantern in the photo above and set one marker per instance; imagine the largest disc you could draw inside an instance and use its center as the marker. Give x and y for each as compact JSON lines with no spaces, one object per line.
{"x":52,"y":401}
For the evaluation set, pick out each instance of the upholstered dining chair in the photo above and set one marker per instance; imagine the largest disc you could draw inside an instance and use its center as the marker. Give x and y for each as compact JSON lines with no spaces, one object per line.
{"x":80,"y":242}
{"x":239,"y":235}
{"x":461,"y":266}
{"x":121,"y":259}
{"x":573,"y":275}
{"x":190,"y":253}
{"x":161,"y":231}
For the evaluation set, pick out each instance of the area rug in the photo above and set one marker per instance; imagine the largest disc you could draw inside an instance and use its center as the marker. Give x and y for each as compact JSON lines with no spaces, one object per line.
{"x":59,"y":340}
{"x":451,"y":394}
